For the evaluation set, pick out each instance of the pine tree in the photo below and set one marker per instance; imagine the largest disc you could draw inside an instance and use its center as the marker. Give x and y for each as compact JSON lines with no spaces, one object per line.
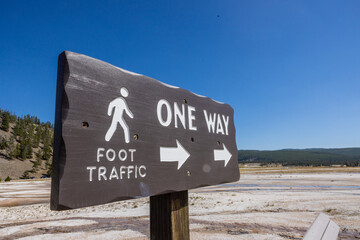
{"x":23,"y":154}
{"x":17,"y":151}
{"x":5,"y":121}
{"x":37,"y":137}
{"x":28,"y":149}
{"x":46,"y":138}
{"x":46,"y":151}
{"x":10,"y":150}
{"x":37,"y":163}
{"x":12,"y":118}
{"x":17,"y":128}
{"x":4,"y":143}
{"x":49,"y":168}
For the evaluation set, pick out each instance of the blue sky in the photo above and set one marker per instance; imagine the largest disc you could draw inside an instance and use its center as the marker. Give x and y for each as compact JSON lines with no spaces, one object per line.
{"x":290,"y":69}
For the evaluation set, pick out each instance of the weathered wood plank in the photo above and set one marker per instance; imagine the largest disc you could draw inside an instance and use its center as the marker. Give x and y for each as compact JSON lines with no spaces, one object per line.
{"x":318,"y":228}
{"x":169,"y":216}
{"x":121,"y":135}
{"x":332,"y":231}
{"x":322,"y":228}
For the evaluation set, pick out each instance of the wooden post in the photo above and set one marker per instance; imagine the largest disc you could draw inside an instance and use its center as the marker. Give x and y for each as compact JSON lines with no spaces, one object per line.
{"x":169,"y":216}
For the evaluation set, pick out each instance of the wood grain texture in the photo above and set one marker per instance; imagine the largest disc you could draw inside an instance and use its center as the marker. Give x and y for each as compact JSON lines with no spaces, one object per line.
{"x":322,"y":228}
{"x":93,"y":167}
{"x":169,"y":216}
{"x":332,"y":231}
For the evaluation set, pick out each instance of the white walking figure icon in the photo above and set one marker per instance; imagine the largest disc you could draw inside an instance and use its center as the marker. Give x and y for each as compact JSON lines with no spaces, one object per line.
{"x":120,"y":106}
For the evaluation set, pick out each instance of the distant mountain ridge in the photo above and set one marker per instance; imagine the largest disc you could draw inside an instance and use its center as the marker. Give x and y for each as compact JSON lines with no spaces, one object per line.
{"x":351,"y":152}
{"x":303,"y":157}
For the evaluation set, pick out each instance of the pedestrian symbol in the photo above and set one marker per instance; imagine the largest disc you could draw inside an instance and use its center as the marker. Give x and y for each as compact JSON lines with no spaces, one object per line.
{"x":120,"y":106}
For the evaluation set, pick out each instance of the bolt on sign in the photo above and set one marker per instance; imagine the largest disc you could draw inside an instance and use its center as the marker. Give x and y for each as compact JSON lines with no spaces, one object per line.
{"x":121,"y":135}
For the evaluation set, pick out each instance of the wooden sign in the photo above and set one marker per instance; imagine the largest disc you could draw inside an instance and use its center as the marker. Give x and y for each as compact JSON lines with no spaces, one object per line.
{"x":121,"y":135}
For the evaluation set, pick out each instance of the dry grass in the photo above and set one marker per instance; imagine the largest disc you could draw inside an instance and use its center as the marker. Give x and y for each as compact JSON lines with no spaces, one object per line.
{"x":22,"y":201}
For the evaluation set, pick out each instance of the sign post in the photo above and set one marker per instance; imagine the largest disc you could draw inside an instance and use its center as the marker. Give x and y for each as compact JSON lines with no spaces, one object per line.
{"x":169,"y":216}
{"x":121,"y":135}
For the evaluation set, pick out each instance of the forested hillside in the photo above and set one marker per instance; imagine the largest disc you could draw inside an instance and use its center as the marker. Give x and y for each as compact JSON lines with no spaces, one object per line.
{"x":25,"y":139}
{"x":303,"y":157}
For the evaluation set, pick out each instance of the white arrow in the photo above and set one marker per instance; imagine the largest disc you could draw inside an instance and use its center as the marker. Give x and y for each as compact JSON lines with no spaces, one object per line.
{"x":222,"y":155}
{"x":174,"y":154}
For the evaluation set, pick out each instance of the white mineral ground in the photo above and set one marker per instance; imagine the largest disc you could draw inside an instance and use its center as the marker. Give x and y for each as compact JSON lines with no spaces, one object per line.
{"x":264,"y":204}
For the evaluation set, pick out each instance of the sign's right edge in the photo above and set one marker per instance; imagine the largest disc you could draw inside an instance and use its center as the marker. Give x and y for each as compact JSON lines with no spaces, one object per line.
{"x":237,"y":150}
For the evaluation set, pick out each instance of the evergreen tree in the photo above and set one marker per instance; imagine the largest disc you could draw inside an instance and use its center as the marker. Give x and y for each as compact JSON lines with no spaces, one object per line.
{"x":17,"y":128}
{"x":23,"y":154}
{"x":4,"y":143}
{"x":37,"y":162}
{"x":46,"y":139}
{"x":28,"y":148}
{"x":12,"y":118}
{"x":10,"y":150}
{"x":17,"y":152}
{"x":37,"y":137}
{"x":46,"y":151}
{"x":5,"y":121}
{"x":49,"y":168}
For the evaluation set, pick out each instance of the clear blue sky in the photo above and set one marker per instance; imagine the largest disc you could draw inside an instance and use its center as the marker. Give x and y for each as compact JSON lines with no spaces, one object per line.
{"x":290,"y":69}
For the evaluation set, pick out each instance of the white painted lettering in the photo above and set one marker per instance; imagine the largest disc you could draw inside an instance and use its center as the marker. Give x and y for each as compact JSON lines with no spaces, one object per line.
{"x":132,"y":154}
{"x":99,"y":154}
{"x":180,"y":115}
{"x":160,"y":104}
{"x":191,"y":117}
{"x":113,"y":154}
{"x":142,"y":174}
{"x":122,"y":171}
{"x":210,"y":121}
{"x":113,"y":174}
{"x":226,"y":122}
{"x":219,"y":126}
{"x":130,"y":170}
{"x":125,"y":155}
{"x":91,"y":168}
{"x":125,"y":172}
{"x":102,"y":172}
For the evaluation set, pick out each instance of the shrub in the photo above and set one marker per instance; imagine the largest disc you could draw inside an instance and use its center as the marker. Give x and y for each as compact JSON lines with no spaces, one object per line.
{"x":25,"y":175}
{"x":8,"y":179}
